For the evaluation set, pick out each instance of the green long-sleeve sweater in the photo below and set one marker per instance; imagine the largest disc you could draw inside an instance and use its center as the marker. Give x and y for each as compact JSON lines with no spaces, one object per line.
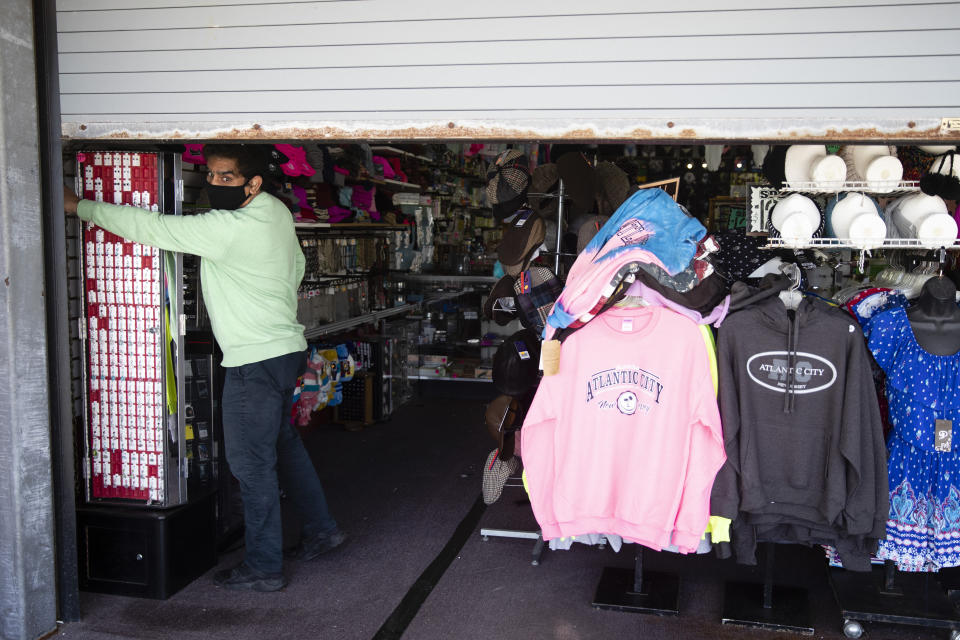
{"x":250,"y":269}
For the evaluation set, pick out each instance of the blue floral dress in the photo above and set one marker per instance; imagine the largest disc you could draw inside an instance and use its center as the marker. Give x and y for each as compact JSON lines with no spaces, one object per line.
{"x":923,"y":528}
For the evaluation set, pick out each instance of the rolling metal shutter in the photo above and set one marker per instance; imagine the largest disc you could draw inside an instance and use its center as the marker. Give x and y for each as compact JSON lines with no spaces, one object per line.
{"x":501,"y":69}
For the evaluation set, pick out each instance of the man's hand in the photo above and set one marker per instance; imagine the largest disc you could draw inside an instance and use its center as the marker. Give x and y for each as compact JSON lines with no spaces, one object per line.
{"x":70,"y":200}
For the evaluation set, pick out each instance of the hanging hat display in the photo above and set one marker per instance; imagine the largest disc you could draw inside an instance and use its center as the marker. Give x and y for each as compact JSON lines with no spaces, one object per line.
{"x":536,"y":289}
{"x":856,"y":218}
{"x":773,"y":166}
{"x":613,"y":188}
{"x":579,"y":181}
{"x":810,"y":163}
{"x":796,"y":218}
{"x":924,"y":217}
{"x":500,"y":305}
{"x":941,"y":180}
{"x":544,"y":181}
{"x":508,"y":179}
{"x":516,"y":364}
{"x":875,"y":164}
{"x":522,"y":237}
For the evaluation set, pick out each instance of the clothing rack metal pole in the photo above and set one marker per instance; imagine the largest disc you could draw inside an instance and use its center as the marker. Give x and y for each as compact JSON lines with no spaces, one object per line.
{"x":560,"y":212}
{"x":767,"y":605}
{"x":638,"y":573}
{"x":768,"y":578}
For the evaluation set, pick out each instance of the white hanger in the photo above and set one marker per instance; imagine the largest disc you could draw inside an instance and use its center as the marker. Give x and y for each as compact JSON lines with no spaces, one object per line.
{"x":791,"y":297}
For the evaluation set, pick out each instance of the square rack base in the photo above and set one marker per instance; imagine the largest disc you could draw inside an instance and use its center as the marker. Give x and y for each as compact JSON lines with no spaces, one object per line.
{"x":146,"y":553}
{"x":915,"y":599}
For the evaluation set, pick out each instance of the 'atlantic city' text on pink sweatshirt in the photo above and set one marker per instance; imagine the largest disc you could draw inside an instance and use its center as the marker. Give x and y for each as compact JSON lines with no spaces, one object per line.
{"x":626,"y":438}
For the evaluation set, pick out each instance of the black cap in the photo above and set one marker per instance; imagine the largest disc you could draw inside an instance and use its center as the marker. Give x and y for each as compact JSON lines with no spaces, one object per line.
{"x":774,"y":165}
{"x":516,"y":364}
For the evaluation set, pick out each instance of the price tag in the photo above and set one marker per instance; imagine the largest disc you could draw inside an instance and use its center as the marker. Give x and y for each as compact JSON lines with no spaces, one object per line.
{"x":943,"y":436}
{"x":522,"y":351}
{"x":522,"y":218}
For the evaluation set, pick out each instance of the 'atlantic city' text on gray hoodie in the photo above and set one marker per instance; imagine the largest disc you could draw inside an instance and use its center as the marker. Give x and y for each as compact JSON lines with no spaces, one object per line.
{"x":806,"y":460}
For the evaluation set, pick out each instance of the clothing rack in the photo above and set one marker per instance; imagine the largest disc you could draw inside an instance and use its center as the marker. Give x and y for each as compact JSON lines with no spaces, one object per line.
{"x":767,"y":605}
{"x":888,"y":595}
{"x":486,"y":534}
{"x":638,"y":591}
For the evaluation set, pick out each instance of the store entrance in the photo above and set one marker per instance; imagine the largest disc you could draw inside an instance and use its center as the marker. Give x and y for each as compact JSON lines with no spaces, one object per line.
{"x":437,"y":306}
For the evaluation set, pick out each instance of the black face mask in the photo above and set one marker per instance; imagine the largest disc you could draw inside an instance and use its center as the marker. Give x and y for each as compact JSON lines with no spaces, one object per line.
{"x":224,"y":197}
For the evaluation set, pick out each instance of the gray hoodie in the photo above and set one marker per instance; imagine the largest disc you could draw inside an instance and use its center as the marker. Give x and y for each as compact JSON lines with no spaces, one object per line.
{"x":806,"y":460}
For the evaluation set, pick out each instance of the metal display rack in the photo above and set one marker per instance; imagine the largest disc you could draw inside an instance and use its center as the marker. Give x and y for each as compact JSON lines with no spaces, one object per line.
{"x":387,"y":150}
{"x":846,"y":243}
{"x":349,"y":228}
{"x":150,"y":458}
{"x":372,"y":317}
{"x":448,"y":279}
{"x":882,"y":188}
{"x":883,"y":595}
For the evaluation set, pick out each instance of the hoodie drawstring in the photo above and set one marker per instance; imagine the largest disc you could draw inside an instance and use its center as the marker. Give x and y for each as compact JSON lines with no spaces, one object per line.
{"x":793,"y":339}
{"x":789,"y":377}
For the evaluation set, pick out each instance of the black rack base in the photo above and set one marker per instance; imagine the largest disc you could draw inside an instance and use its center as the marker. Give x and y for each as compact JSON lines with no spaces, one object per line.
{"x":659,"y":594}
{"x":146,"y":553}
{"x":789,"y":610}
{"x":918,"y":600}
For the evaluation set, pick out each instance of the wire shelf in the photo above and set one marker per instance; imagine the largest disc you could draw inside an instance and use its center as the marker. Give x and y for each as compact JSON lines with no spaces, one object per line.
{"x":846,"y":243}
{"x":884,"y":188}
{"x":341,"y":325}
{"x":387,"y":150}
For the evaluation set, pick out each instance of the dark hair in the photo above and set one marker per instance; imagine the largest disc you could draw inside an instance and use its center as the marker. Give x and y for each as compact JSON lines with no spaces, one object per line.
{"x":250,"y":160}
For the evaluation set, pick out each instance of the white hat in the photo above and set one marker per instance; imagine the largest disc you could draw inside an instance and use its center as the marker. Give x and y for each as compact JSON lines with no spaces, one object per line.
{"x":937,"y":149}
{"x":796,"y":217}
{"x":874,"y":164}
{"x":855,"y":217}
{"x":810,"y":163}
{"x":925,"y":218}
{"x":944,"y":165}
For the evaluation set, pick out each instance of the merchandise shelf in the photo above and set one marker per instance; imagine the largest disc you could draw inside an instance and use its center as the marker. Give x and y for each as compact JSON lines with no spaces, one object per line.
{"x":444,"y":378}
{"x":349,"y":226}
{"x":426,"y":277}
{"x":386,"y":150}
{"x":340,"y":325}
{"x":888,"y":188}
{"x":846,"y":243}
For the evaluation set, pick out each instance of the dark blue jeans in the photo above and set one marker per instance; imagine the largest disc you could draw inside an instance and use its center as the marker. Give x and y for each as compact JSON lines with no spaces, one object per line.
{"x":265,"y":451}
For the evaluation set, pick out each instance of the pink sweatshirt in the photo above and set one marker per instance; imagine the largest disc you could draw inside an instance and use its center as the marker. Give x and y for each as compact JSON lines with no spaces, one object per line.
{"x":626,"y":438}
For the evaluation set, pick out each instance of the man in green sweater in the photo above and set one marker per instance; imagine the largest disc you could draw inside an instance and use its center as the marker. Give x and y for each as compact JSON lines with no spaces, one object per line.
{"x":251,"y":266}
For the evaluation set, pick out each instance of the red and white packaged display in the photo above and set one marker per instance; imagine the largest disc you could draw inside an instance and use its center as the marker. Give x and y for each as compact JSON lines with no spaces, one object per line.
{"x":125,"y":336}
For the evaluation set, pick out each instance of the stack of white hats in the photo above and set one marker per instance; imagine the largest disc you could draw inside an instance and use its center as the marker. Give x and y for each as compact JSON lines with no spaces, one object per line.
{"x":796,"y":218}
{"x":877,"y":165}
{"x":855,"y":218}
{"x":917,"y":215}
{"x":811,"y":165}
